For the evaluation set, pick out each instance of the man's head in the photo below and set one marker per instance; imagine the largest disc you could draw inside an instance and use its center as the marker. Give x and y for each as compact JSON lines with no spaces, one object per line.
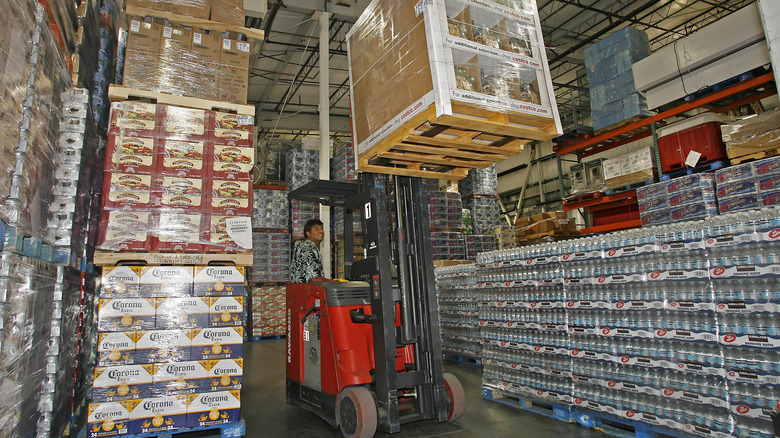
{"x":313,"y":231}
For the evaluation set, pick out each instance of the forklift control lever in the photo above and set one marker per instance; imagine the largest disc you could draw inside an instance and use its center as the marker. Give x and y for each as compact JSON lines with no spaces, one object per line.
{"x":358,"y":316}
{"x":309,"y":311}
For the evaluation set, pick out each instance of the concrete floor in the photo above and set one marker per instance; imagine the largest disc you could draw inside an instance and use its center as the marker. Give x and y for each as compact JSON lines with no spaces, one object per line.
{"x":267,"y":414}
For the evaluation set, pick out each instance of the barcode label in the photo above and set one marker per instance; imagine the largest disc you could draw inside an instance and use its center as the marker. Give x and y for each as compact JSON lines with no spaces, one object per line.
{"x":197,"y":38}
{"x":167,"y":32}
{"x":226,"y":44}
{"x":135,"y":26}
{"x":242,"y":47}
{"x":708,"y":337}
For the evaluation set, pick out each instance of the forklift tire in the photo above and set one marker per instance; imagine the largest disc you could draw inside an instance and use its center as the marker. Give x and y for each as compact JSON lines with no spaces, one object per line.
{"x":356,"y":412}
{"x":456,"y":397}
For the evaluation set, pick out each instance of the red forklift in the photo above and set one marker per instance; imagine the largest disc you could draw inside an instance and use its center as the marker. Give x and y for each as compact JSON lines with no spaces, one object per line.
{"x":365,"y":355}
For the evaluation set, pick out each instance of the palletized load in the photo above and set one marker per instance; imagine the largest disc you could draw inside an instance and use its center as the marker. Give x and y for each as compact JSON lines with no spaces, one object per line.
{"x":439,"y":88}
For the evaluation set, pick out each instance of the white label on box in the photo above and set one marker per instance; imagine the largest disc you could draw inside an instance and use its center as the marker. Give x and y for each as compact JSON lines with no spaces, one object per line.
{"x":167,"y":32}
{"x":240,"y":230}
{"x":135,"y":26}
{"x":242,"y":46}
{"x":692,"y":158}
{"x":481,"y":49}
{"x":226,"y":44}
{"x":197,"y":38}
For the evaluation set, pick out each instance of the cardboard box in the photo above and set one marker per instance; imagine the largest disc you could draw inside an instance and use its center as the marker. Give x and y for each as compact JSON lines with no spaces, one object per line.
{"x":214,"y":281}
{"x":138,"y":117}
{"x":130,"y":154}
{"x":214,"y":408}
{"x":182,"y":312}
{"x":158,"y":414}
{"x":233,"y":129}
{"x":176,"y":61}
{"x":125,"y":314}
{"x":115,"y":348}
{"x":126,"y":231}
{"x":232,"y":162}
{"x":231,"y":197}
{"x":206,"y":52}
{"x":217,"y":343}
{"x":142,"y":55}
{"x":119,"y":281}
{"x":233,"y":83}
{"x":162,"y":346}
{"x":224,"y":375}
{"x":234,"y":53}
{"x":165,"y":281}
{"x":226,"y":311}
{"x":177,"y":231}
{"x":126,"y":191}
{"x":181,"y":192}
{"x":182,"y":158}
{"x":122,"y":382}
{"x":108,"y":419}
{"x":143,"y":35}
{"x":178,"y":378}
{"x":228,"y":11}
{"x":190,"y":8}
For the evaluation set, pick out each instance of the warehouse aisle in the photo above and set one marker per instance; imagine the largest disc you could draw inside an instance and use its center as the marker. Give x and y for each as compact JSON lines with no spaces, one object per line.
{"x":266,"y":413}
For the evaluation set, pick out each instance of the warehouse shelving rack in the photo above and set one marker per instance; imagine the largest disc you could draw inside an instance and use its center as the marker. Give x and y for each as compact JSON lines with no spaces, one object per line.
{"x":742,"y":93}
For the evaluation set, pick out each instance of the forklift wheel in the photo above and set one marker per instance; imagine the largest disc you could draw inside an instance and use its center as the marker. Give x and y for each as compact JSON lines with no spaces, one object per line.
{"x":356,"y":412}
{"x":456,"y":397}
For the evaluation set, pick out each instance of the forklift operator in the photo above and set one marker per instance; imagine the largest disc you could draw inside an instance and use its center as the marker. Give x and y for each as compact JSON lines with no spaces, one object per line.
{"x":306,"y":263}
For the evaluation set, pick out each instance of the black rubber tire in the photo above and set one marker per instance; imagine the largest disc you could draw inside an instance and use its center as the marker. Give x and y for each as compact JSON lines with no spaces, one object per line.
{"x":456,"y":397}
{"x":356,"y":412}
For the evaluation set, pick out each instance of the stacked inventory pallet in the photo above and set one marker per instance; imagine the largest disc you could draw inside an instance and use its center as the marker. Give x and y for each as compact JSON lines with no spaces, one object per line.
{"x":271,"y":241}
{"x":169,"y":356}
{"x":177,"y":186}
{"x":668,"y":329}
{"x":302,"y":167}
{"x":272,"y":160}
{"x":479,"y":192}
{"x":459,"y":313}
{"x":446,"y":215}
{"x":342,"y":168}
{"x":45,"y":196}
{"x":486,"y":62}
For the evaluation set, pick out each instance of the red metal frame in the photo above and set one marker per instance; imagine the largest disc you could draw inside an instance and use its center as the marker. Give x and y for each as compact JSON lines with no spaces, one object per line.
{"x":595,"y":141}
{"x":617,"y":197}
{"x":617,"y":226}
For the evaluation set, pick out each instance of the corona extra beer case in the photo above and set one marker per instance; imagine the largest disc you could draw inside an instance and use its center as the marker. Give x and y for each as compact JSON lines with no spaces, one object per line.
{"x":158,"y":414}
{"x":122,"y":382}
{"x":108,"y":419}
{"x":215,"y":281}
{"x":217,"y":343}
{"x":189,"y":377}
{"x":214,"y":408}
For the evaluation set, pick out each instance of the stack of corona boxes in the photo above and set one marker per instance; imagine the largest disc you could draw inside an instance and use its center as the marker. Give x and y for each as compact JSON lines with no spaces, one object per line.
{"x":169,"y":354}
{"x":609,"y":66}
{"x":172,"y":58}
{"x":177,"y":180}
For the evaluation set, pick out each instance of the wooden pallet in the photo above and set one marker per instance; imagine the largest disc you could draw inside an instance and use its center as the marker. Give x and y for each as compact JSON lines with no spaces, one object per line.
{"x":618,"y":125}
{"x":553,"y":233}
{"x":443,"y":263}
{"x":448,"y":146}
{"x":120,"y":93}
{"x":195,"y":22}
{"x":110,"y":258}
{"x":755,"y":156}
{"x":558,"y":411}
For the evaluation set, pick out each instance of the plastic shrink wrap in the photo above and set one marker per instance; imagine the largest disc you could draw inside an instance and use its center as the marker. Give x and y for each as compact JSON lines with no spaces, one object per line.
{"x":273,"y":159}
{"x":170,"y":58}
{"x":169,"y":336}
{"x":177,"y":179}
{"x":268,"y":307}
{"x":752,"y":134}
{"x":481,"y":58}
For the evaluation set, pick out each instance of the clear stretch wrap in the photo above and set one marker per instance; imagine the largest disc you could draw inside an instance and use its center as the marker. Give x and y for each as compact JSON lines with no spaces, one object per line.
{"x":752,"y":134}
{"x":169,"y":349}
{"x":748,"y":186}
{"x":461,"y":56}
{"x":270,"y":209}
{"x":675,"y":326}
{"x":271,"y":255}
{"x":686,"y":198}
{"x":479,"y":182}
{"x":27,"y":288}
{"x":268,"y":317}
{"x":16,"y":36}
{"x":446,"y":211}
{"x":342,"y":165}
{"x":458,"y":310}
{"x":190,"y":62}
{"x":273,"y":159}
{"x":27,"y":203}
{"x":177,"y":179}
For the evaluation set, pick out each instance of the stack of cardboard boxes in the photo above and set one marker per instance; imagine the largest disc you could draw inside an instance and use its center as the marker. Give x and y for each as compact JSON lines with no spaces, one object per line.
{"x":629,"y":168}
{"x":169,"y":350}
{"x":180,"y":60}
{"x":552,"y":224}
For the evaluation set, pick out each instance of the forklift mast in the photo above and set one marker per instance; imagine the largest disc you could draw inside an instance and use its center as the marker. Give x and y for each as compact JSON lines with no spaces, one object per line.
{"x":422,"y":380}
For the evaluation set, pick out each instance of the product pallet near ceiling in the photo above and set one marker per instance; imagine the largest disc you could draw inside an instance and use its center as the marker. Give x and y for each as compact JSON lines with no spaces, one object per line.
{"x":120,"y":93}
{"x":671,"y":327}
{"x":473,"y":86}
